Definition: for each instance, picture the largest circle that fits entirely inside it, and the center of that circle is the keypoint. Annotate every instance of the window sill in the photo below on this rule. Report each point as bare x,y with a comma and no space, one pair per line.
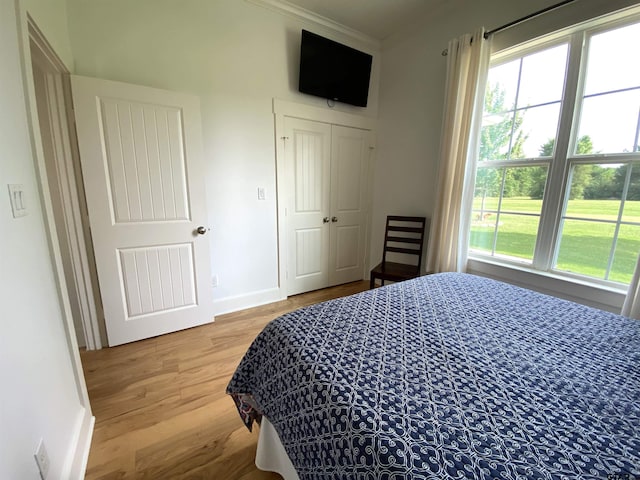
577,290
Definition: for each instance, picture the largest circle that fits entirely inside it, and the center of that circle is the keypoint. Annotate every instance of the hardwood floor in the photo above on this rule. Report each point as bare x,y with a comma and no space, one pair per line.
160,404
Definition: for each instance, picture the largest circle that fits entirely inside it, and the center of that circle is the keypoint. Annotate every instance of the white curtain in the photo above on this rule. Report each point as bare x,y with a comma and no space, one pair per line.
631,307
467,67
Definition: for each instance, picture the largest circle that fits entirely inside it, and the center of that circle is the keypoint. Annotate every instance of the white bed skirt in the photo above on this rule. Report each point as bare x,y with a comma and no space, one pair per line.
271,455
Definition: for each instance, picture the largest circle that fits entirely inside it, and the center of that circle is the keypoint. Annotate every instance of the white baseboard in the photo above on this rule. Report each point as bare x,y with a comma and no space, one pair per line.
78,455
247,300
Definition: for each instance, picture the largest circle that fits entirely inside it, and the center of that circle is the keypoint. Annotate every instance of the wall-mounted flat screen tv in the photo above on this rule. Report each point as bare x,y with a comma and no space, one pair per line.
334,71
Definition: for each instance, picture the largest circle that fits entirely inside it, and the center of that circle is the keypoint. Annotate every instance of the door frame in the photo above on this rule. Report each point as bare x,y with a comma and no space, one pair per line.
282,109
68,200
76,461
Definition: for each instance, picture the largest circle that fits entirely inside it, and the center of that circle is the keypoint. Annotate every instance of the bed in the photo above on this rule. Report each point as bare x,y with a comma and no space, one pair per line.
448,376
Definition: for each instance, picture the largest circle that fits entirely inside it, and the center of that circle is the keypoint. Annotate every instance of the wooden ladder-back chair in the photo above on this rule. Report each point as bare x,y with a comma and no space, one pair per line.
403,235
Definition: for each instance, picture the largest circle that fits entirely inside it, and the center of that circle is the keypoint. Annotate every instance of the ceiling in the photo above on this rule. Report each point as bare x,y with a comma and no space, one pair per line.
375,18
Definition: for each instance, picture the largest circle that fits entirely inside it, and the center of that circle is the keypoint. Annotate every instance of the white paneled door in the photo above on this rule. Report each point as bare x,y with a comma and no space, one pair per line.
141,157
308,160
349,187
326,170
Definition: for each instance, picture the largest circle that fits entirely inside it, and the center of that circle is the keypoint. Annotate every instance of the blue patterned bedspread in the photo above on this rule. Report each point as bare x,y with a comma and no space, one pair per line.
449,376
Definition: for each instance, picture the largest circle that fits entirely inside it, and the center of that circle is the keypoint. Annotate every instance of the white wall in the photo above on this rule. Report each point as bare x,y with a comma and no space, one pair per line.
39,396
236,56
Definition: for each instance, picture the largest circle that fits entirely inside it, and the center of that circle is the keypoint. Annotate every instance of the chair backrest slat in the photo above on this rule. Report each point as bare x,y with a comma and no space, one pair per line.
408,251
403,218
404,240
393,228
395,242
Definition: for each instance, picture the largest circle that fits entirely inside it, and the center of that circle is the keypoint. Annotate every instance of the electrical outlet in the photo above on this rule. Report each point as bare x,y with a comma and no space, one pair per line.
214,281
42,459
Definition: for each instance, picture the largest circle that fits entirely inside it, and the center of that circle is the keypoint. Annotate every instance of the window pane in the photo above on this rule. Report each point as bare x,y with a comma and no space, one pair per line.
482,233
507,202
482,204
521,184
503,81
494,136
523,189
627,249
542,79
536,128
604,182
517,235
585,247
611,121
631,212
485,206
526,132
593,209
595,192
609,66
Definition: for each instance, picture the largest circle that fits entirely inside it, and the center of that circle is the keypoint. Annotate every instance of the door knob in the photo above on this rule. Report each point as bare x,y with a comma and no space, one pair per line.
334,219
202,230
325,220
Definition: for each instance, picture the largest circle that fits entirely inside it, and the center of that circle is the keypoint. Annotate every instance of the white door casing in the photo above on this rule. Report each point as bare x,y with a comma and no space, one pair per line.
327,179
52,90
350,153
308,158
142,165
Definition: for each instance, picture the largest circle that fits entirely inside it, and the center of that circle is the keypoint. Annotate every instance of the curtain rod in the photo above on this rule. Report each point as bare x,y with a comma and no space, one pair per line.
527,17
520,20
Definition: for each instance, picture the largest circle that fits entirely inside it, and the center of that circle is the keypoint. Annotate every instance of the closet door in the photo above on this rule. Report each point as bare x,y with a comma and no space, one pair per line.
308,163
349,173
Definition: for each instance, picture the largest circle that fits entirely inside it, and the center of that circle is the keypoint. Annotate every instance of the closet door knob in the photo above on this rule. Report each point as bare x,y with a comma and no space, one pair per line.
334,219
325,220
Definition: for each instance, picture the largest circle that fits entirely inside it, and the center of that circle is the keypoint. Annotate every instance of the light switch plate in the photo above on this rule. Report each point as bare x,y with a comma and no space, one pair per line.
261,193
18,205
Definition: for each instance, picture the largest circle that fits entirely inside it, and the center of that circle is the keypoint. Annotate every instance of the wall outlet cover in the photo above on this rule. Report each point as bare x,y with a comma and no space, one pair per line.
42,460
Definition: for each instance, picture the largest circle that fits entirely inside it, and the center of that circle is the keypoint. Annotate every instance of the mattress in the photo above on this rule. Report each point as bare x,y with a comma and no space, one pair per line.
448,376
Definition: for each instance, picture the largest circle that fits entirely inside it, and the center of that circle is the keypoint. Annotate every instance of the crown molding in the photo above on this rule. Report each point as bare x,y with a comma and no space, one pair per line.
285,8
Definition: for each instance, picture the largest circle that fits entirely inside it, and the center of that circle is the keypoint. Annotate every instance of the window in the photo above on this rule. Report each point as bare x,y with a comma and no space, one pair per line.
558,176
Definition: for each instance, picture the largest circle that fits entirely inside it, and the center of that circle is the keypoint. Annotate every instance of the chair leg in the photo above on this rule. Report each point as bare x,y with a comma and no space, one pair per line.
372,282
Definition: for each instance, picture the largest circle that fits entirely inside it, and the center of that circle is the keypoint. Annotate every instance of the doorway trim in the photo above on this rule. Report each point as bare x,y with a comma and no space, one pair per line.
63,169
282,109
77,456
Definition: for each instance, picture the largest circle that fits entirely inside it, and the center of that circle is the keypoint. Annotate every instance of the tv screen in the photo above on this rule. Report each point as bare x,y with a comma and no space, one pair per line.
331,70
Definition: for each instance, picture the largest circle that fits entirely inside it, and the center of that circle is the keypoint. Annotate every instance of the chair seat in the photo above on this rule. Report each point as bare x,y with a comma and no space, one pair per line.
393,270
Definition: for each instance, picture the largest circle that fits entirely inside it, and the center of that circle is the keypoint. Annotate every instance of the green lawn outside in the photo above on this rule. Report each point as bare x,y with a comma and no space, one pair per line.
585,246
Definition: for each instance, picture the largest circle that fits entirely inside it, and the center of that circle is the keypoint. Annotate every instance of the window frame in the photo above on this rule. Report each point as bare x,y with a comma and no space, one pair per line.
564,155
